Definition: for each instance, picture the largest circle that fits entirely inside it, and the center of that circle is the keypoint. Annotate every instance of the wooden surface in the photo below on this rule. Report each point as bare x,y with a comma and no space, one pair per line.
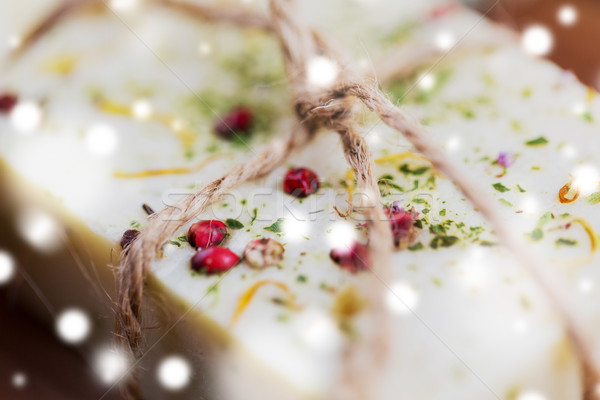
56,371
53,370
574,46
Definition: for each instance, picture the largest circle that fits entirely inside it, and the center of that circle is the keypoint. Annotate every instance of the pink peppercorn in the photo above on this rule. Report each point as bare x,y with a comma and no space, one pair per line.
214,260
207,233
301,182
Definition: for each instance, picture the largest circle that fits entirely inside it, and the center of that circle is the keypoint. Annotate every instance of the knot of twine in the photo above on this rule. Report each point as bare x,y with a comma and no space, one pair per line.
334,108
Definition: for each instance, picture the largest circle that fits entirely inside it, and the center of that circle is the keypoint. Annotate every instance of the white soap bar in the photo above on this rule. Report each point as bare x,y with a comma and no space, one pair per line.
468,322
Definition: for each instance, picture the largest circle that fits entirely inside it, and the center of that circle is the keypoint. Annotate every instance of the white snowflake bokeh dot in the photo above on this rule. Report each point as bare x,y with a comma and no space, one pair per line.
445,40
40,229
426,82
110,365
341,235
321,71
532,396
586,286
586,178
141,109
537,40
14,41
26,117
73,326
7,267
204,48
101,140
174,373
123,5
402,298
19,380
567,15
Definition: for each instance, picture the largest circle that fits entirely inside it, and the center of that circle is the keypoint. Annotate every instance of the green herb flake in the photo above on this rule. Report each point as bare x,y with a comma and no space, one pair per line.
506,202
276,226
536,234
416,247
516,126
175,243
544,219
521,189
234,223
594,198
476,229
254,214
488,80
301,279
587,116
437,229
500,187
213,288
442,212
407,171
443,241
182,238
565,242
537,142
425,211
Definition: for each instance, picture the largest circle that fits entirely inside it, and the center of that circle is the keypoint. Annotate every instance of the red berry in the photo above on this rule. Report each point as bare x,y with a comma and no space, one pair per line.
354,258
214,260
207,233
300,182
237,121
7,102
402,224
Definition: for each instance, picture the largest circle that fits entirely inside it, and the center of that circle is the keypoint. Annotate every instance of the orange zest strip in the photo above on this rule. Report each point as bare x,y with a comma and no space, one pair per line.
590,231
61,64
169,171
399,156
249,294
113,108
350,178
591,94
186,136
568,193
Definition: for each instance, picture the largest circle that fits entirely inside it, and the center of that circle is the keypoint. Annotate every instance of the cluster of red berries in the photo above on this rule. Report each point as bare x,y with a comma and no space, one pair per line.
211,259
355,257
207,235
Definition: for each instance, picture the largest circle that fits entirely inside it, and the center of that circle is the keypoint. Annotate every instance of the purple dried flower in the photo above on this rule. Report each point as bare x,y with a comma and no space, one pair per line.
505,159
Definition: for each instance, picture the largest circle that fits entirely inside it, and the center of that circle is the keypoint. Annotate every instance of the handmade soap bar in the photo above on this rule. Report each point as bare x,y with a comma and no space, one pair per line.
118,112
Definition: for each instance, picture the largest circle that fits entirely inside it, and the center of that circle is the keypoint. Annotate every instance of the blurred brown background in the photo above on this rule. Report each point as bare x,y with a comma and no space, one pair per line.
28,347
574,45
